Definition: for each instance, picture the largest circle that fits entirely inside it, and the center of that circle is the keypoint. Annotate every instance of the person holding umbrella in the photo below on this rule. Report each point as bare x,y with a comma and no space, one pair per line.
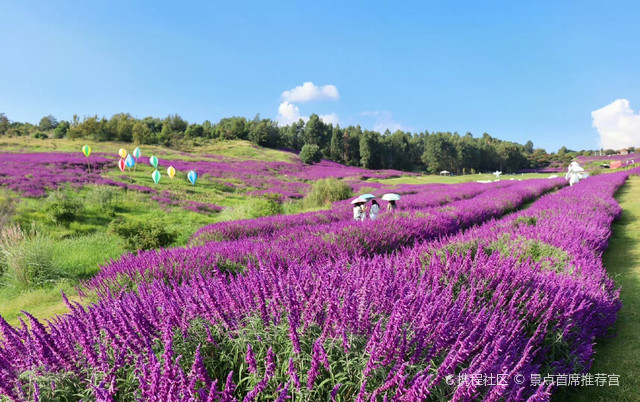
392,198
359,210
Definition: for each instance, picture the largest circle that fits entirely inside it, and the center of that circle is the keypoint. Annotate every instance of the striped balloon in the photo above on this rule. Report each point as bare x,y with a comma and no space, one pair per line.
129,161
122,164
123,153
171,171
192,176
153,161
137,153
86,150
155,176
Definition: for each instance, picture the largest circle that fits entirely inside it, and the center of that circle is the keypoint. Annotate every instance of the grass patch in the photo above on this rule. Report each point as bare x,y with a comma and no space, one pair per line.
88,253
43,303
620,355
436,179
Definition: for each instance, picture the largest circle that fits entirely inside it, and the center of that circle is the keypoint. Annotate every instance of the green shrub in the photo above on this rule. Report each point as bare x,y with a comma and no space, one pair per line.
61,208
26,258
139,235
326,191
549,257
310,153
104,198
267,206
40,134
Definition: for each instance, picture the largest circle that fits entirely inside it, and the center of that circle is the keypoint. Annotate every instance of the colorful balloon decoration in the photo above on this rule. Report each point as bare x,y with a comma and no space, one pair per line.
86,150
155,176
122,164
192,176
153,161
123,153
171,171
129,161
137,153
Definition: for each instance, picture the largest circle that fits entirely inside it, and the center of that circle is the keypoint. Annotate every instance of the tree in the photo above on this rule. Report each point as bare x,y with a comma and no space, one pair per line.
439,153
528,147
265,133
142,134
208,128
232,128
194,131
352,147
336,149
395,151
4,124
314,130
48,123
120,127
61,130
310,153
369,156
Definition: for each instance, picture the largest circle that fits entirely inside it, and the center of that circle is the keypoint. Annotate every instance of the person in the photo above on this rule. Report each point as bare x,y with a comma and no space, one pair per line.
574,173
391,206
359,211
374,210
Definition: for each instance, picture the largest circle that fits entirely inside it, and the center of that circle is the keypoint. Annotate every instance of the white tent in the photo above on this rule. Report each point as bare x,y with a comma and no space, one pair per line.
444,172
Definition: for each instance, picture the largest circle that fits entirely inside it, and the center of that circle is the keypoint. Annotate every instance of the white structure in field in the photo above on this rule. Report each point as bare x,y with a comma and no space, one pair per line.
575,173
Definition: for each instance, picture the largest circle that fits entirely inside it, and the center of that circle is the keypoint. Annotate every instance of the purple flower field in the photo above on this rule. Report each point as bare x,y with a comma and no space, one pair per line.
427,303
35,174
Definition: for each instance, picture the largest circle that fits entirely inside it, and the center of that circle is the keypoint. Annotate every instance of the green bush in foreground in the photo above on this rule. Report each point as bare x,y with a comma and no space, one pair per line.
61,208
26,258
326,191
142,235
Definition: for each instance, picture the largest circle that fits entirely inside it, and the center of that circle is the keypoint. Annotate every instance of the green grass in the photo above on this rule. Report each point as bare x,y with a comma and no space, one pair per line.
428,179
620,355
43,303
238,149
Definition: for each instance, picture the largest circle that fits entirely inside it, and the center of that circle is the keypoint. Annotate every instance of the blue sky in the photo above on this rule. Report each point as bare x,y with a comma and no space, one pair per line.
516,70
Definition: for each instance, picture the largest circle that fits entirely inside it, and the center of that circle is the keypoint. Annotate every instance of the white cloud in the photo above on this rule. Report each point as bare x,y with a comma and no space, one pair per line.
288,113
309,92
617,124
383,120
331,118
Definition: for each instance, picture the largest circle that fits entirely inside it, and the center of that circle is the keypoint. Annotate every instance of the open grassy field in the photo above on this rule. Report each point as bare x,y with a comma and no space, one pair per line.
243,150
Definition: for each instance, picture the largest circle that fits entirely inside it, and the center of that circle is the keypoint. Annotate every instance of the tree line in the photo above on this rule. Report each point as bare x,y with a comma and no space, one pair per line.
313,139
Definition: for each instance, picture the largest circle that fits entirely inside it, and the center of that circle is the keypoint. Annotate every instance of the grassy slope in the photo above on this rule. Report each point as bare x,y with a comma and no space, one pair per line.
85,244
620,355
234,149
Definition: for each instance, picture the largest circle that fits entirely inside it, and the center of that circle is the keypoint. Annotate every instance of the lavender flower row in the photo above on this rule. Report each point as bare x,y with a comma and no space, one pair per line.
319,243
414,197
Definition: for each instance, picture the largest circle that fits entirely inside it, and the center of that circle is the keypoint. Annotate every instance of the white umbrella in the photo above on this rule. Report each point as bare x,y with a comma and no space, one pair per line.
367,196
444,172
391,197
358,200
